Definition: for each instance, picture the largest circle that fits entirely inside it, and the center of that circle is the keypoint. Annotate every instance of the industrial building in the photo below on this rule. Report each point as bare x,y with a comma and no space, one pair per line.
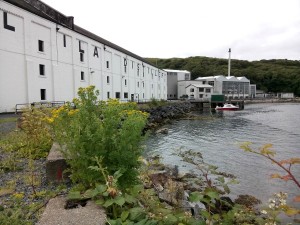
173,77
45,57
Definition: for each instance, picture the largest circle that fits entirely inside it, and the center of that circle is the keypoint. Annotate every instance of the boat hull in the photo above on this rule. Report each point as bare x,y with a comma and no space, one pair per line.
227,109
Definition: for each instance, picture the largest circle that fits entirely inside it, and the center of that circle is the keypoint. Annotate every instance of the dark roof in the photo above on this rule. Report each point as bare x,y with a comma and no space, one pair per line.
43,10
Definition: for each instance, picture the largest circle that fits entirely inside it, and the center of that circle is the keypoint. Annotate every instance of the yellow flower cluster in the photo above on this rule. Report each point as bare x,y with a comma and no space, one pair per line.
18,196
113,101
57,112
135,113
86,90
72,112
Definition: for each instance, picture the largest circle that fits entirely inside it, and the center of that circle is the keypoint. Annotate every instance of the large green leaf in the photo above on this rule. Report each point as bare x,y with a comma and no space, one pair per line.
142,222
170,220
100,202
195,197
136,214
130,198
213,195
108,203
124,215
101,188
205,214
120,200
74,195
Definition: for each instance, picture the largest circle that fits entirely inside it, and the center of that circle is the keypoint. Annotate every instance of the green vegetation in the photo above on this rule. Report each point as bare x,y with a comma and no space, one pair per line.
6,120
111,130
20,150
276,75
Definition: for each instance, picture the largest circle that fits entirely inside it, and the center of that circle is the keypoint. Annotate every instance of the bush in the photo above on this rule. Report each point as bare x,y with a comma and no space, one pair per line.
110,130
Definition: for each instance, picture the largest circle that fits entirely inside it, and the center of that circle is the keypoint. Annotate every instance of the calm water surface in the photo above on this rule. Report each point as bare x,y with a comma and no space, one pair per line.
218,140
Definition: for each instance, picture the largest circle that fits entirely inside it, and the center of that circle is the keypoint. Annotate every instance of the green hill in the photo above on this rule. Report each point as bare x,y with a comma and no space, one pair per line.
275,75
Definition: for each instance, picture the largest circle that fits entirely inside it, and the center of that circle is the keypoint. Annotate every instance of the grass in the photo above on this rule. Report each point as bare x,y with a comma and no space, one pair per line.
7,120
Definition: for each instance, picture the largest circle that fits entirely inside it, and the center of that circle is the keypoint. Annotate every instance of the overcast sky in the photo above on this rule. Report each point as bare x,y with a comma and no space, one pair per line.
253,29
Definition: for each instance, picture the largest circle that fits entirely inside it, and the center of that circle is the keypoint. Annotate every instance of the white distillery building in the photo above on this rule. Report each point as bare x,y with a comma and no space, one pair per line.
200,92
45,57
231,87
173,77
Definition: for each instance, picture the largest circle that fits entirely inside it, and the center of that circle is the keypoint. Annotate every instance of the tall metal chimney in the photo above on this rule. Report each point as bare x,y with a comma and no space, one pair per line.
229,62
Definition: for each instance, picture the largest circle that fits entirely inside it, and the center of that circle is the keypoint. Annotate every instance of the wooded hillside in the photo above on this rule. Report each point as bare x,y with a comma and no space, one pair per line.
276,75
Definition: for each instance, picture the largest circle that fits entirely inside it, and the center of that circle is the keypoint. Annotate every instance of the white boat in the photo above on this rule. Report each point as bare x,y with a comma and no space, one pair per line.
227,106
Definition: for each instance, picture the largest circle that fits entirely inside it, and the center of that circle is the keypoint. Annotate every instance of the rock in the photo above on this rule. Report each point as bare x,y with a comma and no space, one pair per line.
172,193
247,200
160,177
162,131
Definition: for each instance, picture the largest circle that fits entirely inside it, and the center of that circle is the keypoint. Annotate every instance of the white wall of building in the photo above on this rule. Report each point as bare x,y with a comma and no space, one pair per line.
173,76
63,70
200,92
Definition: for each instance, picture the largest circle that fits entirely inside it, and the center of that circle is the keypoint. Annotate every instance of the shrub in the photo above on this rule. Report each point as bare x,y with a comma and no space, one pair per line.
110,130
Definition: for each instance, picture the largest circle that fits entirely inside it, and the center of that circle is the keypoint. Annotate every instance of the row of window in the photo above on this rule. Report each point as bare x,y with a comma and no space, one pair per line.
207,90
200,96
117,95
82,76
212,83
41,48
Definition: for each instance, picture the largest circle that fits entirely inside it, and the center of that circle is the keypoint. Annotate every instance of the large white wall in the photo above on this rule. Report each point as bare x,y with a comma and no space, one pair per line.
20,60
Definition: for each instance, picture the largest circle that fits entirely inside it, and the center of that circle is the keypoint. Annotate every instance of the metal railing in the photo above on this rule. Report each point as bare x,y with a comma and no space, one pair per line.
54,104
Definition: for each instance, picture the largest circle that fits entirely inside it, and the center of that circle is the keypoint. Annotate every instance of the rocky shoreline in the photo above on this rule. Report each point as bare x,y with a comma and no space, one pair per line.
164,114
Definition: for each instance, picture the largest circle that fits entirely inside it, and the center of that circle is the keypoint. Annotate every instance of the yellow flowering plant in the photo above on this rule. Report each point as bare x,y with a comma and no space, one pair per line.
87,128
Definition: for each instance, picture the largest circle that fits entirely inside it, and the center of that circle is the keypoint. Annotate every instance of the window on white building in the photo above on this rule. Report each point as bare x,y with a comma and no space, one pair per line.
65,41
107,64
108,95
207,90
118,95
42,69
81,57
125,94
41,46
107,79
82,76
201,89
138,84
43,94
187,76
201,96
125,82
192,90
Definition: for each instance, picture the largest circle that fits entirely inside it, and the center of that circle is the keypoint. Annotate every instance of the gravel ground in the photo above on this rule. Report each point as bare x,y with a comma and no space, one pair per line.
7,127
18,181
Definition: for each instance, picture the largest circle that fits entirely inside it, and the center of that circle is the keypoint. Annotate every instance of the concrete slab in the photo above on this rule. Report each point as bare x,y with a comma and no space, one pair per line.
56,214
